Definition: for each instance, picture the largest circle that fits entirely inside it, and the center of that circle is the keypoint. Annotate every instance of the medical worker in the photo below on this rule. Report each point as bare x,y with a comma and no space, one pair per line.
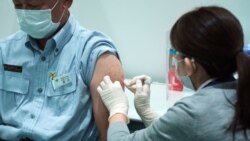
208,43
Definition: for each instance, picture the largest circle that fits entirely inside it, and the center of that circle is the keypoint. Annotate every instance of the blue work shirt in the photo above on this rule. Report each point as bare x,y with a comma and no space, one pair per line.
44,94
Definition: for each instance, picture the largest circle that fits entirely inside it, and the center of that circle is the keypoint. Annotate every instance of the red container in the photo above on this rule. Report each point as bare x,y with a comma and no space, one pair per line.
174,83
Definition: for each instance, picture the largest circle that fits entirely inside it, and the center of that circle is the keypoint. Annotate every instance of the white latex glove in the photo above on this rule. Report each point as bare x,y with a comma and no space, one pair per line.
140,86
131,83
113,97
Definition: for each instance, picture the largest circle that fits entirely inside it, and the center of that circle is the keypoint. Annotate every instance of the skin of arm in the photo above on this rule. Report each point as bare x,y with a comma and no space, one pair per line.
107,64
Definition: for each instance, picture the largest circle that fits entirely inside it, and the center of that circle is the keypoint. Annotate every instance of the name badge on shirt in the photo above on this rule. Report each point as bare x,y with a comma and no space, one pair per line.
12,68
60,81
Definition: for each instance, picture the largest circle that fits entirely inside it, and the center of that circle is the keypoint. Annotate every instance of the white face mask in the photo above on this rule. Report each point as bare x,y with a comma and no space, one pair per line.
185,80
37,23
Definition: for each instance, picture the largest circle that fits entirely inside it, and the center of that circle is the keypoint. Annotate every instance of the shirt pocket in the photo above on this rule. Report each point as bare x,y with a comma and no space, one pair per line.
60,100
13,90
65,89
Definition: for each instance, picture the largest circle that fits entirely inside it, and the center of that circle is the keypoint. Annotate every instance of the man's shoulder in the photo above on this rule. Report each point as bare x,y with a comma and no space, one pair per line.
13,38
92,34
82,32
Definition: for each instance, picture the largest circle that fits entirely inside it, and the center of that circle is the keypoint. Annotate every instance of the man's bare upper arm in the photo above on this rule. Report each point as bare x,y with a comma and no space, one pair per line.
107,64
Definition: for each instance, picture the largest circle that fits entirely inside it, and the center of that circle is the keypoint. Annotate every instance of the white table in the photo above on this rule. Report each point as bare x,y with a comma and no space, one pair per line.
160,98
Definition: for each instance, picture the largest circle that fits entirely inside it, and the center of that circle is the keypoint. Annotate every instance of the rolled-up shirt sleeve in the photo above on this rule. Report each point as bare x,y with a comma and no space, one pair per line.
96,45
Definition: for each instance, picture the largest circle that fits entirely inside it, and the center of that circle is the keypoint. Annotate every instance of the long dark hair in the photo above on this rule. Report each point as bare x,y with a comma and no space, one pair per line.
214,37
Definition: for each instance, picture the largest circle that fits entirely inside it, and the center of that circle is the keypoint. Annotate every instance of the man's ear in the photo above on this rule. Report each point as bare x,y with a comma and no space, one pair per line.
190,66
67,3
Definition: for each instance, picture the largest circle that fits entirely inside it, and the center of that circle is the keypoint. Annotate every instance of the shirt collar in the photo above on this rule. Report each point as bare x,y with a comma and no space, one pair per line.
31,43
65,34
60,39
214,81
204,84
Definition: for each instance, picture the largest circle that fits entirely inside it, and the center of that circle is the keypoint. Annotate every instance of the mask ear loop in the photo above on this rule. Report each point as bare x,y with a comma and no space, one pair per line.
54,5
193,63
189,62
62,13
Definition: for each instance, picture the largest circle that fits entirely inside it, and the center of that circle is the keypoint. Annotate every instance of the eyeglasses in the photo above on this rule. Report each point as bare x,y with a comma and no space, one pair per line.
173,53
175,62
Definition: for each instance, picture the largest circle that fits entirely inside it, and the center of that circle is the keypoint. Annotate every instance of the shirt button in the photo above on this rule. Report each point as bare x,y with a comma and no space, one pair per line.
25,139
43,58
32,116
40,90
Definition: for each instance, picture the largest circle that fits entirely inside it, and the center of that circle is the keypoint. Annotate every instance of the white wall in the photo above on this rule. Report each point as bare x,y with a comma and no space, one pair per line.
139,28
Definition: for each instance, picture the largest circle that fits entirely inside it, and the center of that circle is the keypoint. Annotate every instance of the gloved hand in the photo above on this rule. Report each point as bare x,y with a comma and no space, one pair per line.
140,86
113,97
131,84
